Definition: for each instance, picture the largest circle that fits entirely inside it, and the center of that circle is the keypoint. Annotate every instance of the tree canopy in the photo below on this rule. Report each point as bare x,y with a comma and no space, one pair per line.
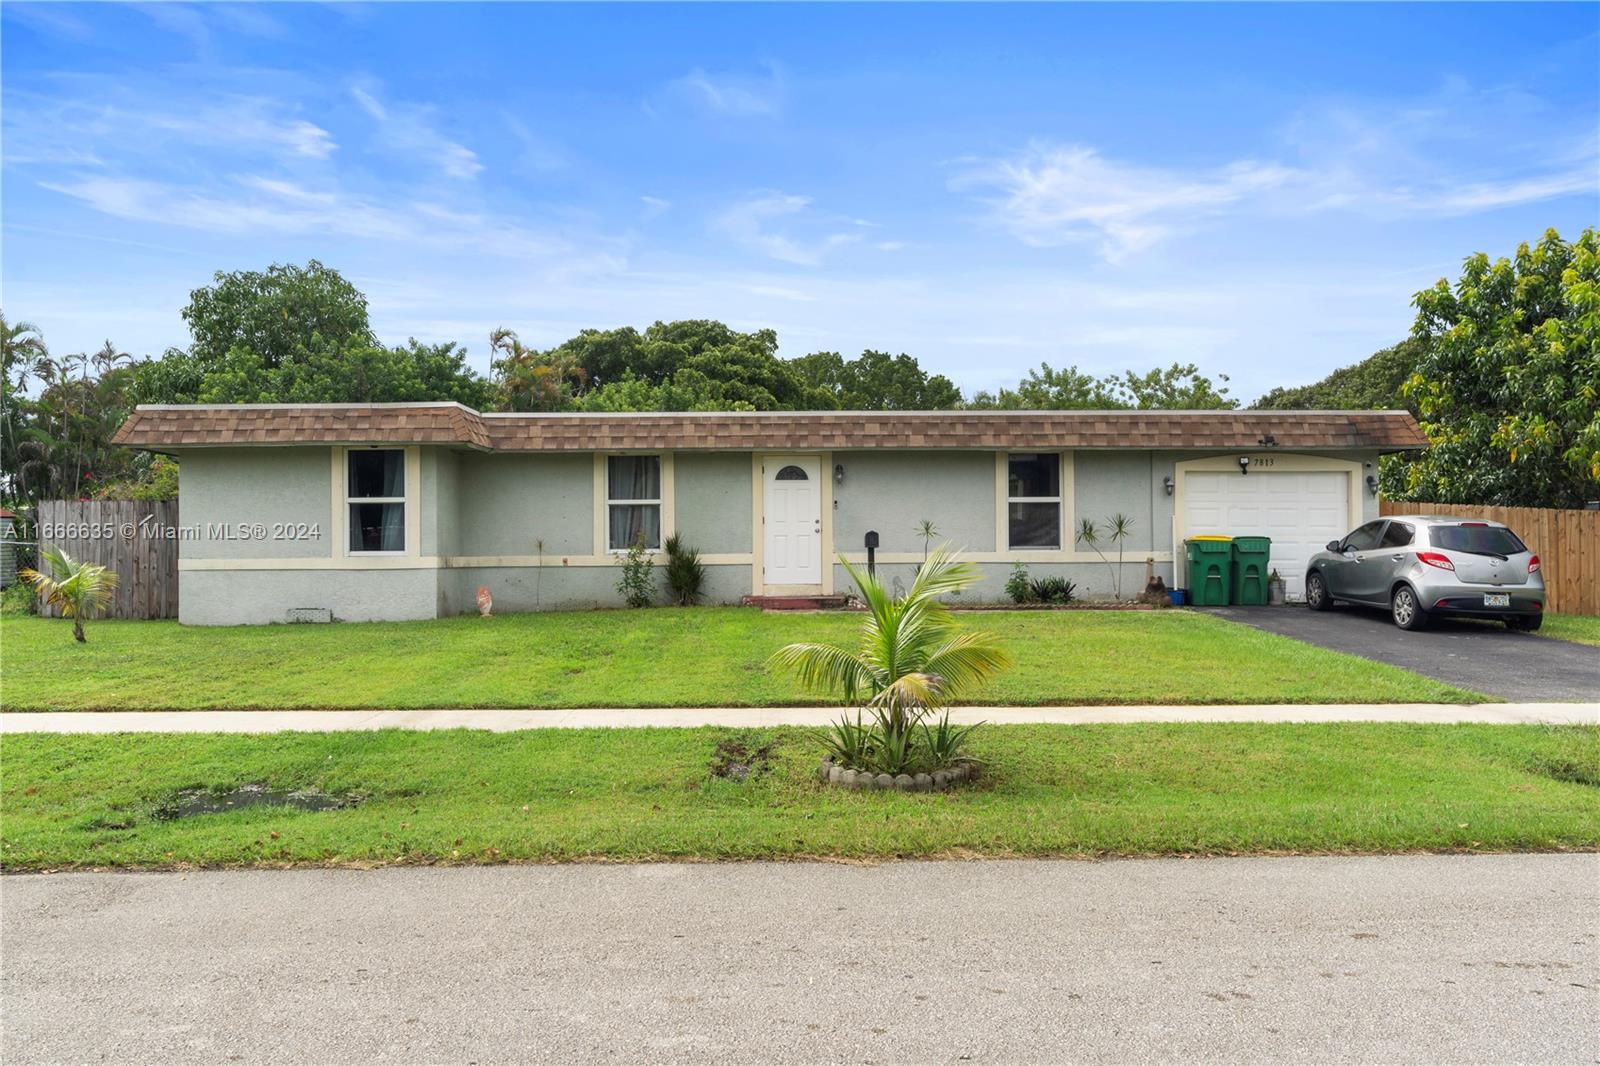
296,334
1375,383
1179,387
1508,386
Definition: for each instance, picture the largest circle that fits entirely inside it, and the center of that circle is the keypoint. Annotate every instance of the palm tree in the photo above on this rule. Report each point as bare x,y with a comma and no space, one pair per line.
912,659
22,350
81,590
531,380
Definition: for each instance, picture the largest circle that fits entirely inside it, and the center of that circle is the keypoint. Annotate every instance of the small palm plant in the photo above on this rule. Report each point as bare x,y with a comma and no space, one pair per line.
928,532
912,661
81,590
1116,530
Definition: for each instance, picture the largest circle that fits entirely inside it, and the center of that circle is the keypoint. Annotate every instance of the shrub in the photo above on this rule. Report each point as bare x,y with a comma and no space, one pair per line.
686,574
1018,587
637,585
1056,590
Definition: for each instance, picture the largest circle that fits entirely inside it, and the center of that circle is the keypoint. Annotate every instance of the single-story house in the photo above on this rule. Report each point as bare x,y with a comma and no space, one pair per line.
401,511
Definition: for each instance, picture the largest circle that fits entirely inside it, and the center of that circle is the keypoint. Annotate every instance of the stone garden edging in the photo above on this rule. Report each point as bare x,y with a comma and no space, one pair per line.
830,773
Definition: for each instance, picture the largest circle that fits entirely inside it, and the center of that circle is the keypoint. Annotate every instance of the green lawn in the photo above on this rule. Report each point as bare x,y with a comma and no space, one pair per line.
706,656
631,794
1582,629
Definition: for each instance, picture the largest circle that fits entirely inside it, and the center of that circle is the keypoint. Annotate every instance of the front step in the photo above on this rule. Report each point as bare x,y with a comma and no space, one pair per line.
796,603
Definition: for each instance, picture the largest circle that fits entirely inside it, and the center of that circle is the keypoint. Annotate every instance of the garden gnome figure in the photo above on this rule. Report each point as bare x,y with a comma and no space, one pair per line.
485,601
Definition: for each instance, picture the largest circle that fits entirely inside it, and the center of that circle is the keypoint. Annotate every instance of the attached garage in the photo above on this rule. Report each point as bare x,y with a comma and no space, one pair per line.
1300,501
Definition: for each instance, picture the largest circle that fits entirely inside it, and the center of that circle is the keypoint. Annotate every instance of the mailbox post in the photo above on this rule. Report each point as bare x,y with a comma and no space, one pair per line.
872,551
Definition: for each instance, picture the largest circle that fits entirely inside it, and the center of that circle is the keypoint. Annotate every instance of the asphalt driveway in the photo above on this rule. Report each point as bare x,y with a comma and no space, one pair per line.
1480,656
1413,958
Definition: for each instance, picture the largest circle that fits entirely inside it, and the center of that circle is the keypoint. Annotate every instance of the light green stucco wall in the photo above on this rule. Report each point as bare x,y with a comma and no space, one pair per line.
507,503
893,491
474,504
557,587
257,597
266,486
712,498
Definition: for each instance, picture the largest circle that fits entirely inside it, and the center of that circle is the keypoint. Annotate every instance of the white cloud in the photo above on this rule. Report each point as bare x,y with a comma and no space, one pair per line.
407,130
1057,194
753,223
654,206
732,94
83,130
263,206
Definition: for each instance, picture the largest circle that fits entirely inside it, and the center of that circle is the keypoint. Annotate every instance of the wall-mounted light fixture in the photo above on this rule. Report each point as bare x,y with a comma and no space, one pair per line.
1372,484
838,474
1244,464
1167,481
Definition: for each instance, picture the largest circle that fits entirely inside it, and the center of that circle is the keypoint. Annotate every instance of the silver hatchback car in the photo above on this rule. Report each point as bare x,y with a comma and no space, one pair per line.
1420,566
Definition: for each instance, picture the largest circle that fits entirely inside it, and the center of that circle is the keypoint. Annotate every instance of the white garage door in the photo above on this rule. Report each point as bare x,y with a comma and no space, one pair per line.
1300,512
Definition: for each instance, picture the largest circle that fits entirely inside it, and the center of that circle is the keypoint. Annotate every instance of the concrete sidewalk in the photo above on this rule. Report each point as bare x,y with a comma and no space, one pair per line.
591,717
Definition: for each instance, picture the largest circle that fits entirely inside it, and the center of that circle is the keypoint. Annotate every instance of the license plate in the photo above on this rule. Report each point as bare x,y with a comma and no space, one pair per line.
1497,599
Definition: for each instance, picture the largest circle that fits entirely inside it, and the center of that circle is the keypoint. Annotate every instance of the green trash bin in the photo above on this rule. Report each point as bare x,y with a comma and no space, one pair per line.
1249,582
1210,570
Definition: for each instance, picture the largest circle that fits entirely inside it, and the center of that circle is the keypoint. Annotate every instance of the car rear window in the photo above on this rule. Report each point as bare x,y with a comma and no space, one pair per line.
1483,540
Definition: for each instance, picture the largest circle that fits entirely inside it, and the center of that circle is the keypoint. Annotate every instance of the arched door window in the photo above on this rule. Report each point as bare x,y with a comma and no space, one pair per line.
792,473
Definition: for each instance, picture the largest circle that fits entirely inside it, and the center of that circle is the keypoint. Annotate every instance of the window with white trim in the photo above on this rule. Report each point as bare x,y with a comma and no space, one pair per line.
375,500
633,501
1033,500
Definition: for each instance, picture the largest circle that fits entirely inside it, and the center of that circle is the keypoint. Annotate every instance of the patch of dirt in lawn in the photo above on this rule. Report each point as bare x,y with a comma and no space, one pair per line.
196,801
741,757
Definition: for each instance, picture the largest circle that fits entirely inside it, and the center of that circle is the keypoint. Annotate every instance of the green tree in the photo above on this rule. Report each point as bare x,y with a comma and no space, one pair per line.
296,334
531,380
22,354
1175,388
1049,389
874,381
1178,387
1509,385
1377,383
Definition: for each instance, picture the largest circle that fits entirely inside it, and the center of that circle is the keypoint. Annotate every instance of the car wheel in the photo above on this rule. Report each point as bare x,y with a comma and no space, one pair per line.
1406,611
1524,623
1317,597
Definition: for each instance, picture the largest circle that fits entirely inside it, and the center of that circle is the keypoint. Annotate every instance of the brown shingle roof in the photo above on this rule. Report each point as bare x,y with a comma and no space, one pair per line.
199,426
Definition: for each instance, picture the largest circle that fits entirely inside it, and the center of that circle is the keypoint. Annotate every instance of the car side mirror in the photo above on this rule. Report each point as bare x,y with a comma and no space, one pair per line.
1335,547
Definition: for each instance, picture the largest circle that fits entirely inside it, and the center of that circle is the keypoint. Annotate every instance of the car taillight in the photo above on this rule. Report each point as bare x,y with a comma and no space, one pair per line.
1533,565
1435,559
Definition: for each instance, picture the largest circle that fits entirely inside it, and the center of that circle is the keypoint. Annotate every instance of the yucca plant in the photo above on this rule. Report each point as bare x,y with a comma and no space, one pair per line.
1118,528
913,659
945,739
81,590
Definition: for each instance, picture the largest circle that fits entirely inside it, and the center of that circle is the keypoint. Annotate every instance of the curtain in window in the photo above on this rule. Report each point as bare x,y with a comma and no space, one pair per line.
633,477
377,473
378,527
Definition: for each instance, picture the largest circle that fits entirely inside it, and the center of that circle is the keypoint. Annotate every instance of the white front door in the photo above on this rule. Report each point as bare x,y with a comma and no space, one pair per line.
792,552
1300,512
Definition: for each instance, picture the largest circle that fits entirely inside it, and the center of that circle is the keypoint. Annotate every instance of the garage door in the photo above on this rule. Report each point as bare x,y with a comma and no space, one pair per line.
1301,512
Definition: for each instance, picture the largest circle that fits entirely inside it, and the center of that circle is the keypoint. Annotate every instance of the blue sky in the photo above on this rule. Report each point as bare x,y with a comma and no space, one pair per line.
1257,189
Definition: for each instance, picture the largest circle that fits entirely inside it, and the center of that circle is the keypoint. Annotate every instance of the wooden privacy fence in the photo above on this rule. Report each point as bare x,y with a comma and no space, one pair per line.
1566,542
137,539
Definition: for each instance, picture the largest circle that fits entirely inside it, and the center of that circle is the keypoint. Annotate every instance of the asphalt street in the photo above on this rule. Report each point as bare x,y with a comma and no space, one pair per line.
1389,959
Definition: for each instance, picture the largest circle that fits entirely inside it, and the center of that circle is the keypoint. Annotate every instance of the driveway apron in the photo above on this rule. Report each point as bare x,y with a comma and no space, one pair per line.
1484,657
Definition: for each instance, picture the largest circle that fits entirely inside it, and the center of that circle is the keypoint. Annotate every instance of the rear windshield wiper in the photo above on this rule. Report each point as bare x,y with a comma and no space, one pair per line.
1492,555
